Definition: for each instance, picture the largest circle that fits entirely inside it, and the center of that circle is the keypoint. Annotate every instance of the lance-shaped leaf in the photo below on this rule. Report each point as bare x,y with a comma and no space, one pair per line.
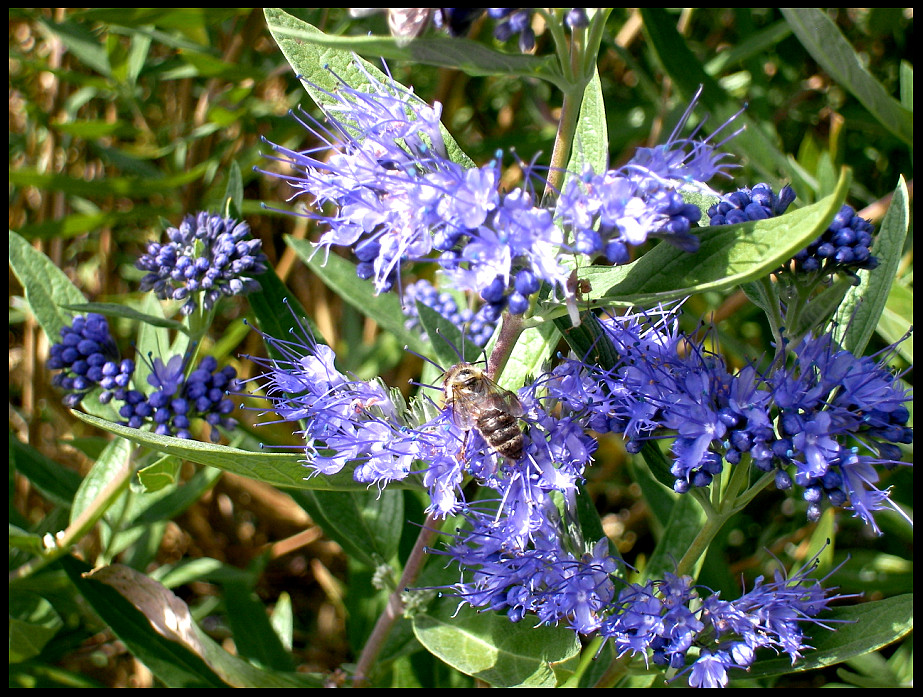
858,316
158,628
827,45
322,64
856,630
728,256
279,469
48,289
445,52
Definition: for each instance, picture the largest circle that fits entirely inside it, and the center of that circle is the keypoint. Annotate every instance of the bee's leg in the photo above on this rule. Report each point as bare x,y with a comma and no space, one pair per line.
462,454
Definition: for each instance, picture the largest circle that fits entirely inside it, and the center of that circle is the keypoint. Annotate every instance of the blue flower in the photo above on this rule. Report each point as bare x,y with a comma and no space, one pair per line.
514,21
823,422
88,358
343,420
710,670
177,399
844,247
206,254
477,327
397,198
662,620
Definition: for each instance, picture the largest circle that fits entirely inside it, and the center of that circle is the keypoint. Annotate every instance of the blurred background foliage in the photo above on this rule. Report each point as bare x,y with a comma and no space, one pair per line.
122,120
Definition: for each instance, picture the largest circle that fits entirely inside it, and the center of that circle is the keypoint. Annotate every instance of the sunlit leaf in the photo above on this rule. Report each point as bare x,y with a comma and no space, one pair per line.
489,647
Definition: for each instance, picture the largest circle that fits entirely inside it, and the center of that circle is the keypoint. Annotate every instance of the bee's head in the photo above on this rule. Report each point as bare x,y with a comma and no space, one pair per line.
461,372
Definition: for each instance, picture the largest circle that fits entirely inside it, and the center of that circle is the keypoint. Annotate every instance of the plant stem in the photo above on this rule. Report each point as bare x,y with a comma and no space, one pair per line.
564,140
510,330
730,503
82,525
774,315
395,607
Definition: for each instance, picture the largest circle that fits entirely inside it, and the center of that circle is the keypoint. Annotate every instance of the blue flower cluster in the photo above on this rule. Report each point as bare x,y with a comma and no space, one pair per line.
822,422
845,246
397,197
206,254
350,421
88,358
747,204
663,620
514,21
477,327
516,553
178,398
666,622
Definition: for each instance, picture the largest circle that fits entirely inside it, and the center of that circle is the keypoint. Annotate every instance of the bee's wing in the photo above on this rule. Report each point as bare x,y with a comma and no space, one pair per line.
505,399
463,412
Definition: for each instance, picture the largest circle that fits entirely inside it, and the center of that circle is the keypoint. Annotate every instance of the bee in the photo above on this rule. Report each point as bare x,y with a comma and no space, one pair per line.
478,403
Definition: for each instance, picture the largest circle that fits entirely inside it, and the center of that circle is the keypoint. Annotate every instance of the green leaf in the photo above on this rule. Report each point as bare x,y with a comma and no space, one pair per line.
172,663
158,629
532,349
367,524
897,319
47,288
728,256
254,638
319,62
588,341
340,276
200,569
658,497
821,308
283,620
489,647
82,43
23,540
857,630
686,521
234,194
110,466
464,54
827,45
33,623
858,316
278,469
657,463
154,507
591,525
55,481
591,139
163,473
276,310
116,310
